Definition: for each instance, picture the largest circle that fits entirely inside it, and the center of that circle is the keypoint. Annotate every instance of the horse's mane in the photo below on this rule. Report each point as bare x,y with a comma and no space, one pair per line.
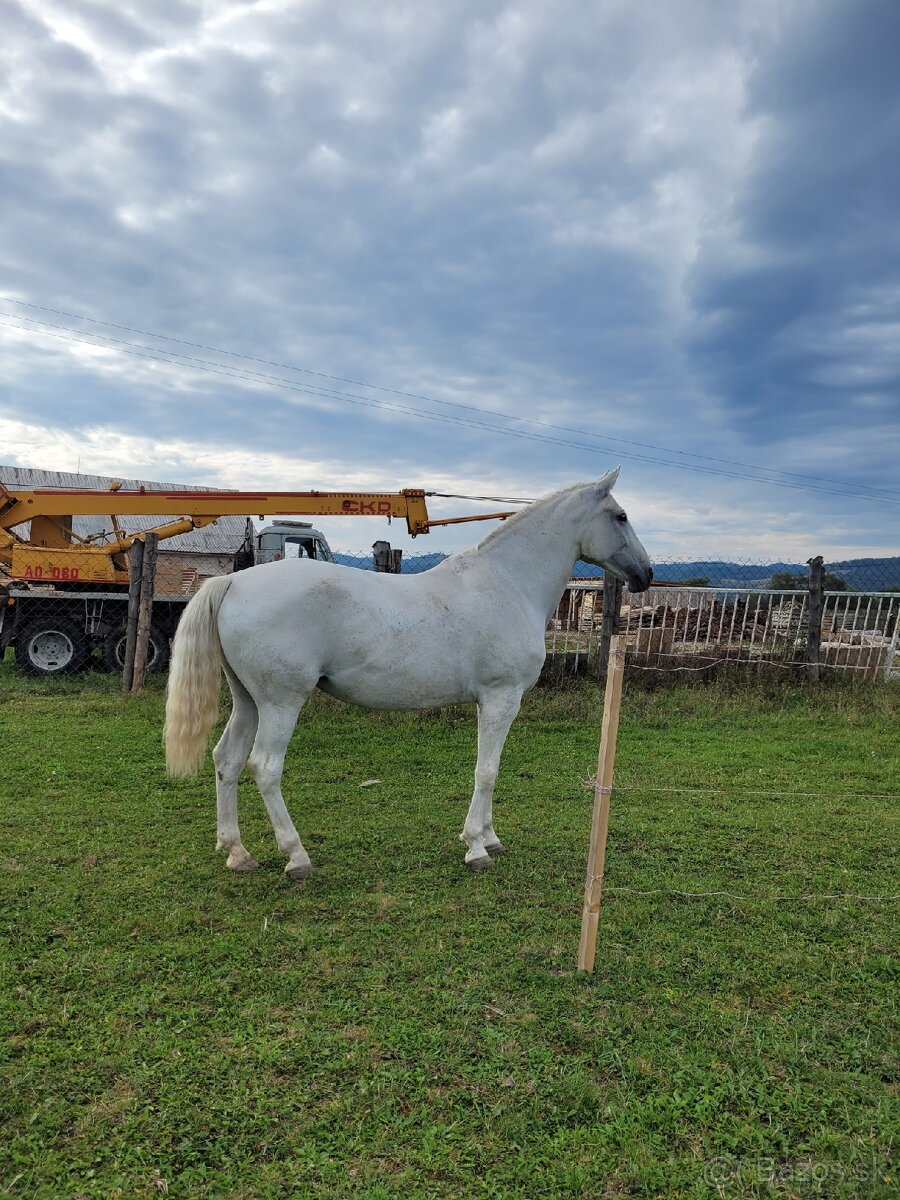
504,527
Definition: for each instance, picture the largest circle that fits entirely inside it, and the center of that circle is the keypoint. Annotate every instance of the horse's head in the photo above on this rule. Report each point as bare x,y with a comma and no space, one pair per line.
609,540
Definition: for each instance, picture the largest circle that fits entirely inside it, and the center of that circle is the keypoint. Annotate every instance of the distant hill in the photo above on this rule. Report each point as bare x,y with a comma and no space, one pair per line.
860,574
868,574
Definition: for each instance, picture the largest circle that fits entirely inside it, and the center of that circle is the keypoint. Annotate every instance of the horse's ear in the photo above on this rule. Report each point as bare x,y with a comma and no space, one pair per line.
607,483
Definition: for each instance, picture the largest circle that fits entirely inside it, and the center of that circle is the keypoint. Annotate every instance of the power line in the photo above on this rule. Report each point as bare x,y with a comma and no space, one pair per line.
486,499
240,373
243,374
434,400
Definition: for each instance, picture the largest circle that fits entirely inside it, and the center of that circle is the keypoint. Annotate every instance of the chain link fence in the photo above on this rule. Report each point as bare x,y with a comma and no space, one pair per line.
854,575
687,628
63,613
702,615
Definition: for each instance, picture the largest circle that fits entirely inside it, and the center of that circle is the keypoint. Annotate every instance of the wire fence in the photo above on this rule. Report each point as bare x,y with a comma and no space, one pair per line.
853,575
680,628
63,612
605,782
781,795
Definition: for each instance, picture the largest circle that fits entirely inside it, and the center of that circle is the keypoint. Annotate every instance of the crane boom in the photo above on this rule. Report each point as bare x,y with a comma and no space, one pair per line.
51,512
59,503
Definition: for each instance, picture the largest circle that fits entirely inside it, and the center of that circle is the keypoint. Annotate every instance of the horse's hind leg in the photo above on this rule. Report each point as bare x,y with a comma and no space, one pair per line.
496,712
276,724
229,757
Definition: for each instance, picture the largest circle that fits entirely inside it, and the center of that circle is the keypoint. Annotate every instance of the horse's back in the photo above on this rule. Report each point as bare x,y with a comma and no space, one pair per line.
310,590
386,641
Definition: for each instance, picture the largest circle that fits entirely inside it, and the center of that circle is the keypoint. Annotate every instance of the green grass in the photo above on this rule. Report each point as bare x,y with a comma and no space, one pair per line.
398,1028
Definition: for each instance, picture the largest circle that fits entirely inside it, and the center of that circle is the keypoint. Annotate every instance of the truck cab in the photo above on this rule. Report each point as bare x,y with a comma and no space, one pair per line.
291,539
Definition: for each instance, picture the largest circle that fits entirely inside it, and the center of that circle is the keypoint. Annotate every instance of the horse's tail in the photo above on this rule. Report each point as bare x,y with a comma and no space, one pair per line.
192,700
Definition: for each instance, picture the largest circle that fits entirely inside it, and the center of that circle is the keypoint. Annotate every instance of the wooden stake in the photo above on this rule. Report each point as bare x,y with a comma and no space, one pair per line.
612,603
135,567
815,603
145,611
593,887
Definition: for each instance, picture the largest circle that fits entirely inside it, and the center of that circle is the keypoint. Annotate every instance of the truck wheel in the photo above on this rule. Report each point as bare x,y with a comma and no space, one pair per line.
51,646
113,650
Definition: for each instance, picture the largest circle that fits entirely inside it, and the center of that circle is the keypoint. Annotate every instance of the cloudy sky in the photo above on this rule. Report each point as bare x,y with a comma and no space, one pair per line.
485,248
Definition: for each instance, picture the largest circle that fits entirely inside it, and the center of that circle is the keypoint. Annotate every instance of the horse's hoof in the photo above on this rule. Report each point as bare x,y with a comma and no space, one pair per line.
495,848
245,863
480,864
304,871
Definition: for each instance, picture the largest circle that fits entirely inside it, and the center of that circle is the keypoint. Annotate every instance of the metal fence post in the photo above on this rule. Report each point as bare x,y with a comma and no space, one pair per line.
814,630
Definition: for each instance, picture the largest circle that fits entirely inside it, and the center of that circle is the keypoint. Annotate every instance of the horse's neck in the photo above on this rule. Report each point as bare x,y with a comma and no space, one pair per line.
538,551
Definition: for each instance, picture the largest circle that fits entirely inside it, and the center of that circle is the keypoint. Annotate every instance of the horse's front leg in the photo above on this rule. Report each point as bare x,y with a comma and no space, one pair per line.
496,712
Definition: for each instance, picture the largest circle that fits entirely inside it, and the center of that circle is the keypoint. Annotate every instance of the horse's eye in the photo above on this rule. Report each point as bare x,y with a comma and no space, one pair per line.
623,517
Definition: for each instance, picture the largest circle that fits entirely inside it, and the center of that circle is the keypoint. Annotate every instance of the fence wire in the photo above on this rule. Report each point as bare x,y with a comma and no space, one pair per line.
596,886
62,612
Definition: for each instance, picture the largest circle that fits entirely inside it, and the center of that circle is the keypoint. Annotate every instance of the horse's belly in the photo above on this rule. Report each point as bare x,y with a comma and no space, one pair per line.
396,688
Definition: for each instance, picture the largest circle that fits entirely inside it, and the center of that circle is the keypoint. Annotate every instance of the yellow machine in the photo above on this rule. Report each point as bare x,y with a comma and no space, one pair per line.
95,560
63,596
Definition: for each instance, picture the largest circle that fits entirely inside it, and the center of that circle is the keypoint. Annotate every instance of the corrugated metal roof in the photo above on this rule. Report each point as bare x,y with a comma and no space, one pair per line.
224,537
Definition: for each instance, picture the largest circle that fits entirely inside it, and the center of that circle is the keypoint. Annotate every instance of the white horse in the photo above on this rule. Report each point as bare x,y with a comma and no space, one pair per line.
471,630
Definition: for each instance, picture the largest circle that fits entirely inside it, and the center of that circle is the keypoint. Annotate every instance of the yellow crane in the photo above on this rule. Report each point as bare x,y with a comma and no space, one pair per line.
64,593
93,559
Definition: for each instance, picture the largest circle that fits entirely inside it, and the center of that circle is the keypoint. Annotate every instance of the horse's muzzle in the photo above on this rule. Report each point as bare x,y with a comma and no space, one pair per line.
639,581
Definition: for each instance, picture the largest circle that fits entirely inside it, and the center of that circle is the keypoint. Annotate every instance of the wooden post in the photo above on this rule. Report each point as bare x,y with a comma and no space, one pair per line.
145,611
386,559
593,887
814,630
135,567
612,603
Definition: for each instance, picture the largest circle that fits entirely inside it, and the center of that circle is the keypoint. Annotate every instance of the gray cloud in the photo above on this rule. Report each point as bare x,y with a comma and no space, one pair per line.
797,293
670,225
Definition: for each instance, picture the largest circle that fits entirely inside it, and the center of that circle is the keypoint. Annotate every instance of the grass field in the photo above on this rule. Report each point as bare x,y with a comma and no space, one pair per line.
398,1028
